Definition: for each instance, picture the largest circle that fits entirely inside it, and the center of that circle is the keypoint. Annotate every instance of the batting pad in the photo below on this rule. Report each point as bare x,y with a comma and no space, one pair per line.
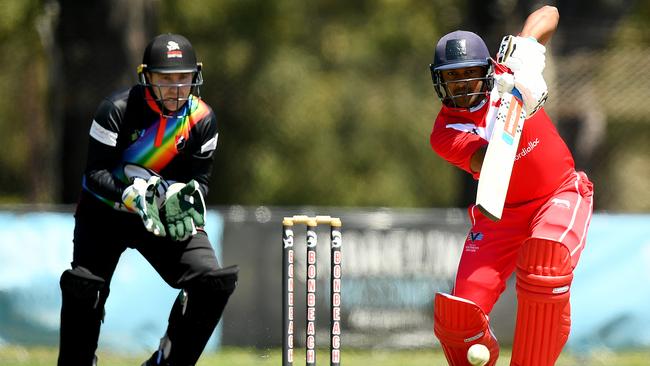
459,324
544,275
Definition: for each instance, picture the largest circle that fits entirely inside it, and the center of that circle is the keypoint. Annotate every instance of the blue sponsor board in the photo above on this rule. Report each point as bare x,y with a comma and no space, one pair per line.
390,273
610,292
37,247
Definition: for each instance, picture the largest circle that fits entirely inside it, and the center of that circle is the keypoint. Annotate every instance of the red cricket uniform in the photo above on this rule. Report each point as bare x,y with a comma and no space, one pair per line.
546,199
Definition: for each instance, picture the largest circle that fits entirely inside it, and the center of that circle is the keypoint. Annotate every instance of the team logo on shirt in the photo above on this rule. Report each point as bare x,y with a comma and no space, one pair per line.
180,142
473,236
470,243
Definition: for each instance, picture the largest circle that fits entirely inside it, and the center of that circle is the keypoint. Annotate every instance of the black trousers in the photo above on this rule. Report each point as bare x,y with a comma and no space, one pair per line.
101,235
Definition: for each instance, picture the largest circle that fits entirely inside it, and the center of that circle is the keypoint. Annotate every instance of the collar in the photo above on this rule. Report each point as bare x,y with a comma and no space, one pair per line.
470,110
151,102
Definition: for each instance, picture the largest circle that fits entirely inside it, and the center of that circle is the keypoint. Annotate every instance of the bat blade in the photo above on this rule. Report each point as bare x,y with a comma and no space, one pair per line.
500,156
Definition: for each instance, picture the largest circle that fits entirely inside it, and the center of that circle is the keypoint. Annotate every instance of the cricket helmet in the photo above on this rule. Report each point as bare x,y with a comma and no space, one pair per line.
167,54
460,49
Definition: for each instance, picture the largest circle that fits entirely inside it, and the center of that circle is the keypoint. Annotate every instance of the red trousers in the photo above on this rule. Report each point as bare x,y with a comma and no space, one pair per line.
491,248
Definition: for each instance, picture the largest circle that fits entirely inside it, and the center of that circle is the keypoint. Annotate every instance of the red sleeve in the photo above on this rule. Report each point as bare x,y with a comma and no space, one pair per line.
455,144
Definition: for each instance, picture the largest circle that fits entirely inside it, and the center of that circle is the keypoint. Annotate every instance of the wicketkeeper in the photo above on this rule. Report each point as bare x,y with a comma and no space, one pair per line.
548,205
148,166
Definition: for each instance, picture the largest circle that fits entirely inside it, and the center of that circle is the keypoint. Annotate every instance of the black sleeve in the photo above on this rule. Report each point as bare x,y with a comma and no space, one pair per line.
203,155
105,151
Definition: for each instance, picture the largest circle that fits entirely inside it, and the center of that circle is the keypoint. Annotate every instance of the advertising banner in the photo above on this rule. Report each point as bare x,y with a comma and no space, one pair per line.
393,262
36,247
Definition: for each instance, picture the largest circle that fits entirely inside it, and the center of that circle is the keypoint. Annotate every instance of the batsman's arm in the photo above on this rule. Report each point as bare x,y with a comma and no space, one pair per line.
476,161
541,24
455,144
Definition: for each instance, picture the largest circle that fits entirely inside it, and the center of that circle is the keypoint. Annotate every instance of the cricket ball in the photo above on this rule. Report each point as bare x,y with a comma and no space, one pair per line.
478,355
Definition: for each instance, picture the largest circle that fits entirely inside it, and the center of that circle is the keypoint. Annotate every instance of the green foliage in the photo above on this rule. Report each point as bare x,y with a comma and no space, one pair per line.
627,150
326,103
22,79
15,15
319,102
640,20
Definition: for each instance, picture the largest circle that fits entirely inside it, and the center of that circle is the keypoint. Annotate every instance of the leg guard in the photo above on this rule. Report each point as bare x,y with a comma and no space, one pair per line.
459,324
82,310
544,275
194,316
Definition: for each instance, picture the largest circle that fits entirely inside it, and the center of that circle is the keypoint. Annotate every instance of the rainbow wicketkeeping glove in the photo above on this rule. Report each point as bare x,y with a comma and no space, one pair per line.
140,197
184,210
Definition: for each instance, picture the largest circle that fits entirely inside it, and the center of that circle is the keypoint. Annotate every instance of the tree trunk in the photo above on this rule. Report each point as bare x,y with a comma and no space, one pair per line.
101,44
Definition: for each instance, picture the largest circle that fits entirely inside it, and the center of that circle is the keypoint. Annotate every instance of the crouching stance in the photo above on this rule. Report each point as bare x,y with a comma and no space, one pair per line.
148,167
547,211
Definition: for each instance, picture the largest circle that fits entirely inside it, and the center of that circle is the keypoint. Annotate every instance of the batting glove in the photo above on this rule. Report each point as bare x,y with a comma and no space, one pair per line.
524,56
141,197
522,53
533,89
504,82
184,210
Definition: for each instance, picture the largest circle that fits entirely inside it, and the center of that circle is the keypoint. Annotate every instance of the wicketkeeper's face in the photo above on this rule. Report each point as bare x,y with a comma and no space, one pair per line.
171,89
465,85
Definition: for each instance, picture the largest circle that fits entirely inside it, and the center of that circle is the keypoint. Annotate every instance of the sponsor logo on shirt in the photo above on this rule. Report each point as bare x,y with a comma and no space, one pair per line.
136,135
527,149
103,135
466,127
472,238
211,144
561,202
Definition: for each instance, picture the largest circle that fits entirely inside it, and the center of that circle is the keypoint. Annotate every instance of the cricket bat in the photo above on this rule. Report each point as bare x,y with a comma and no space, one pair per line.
500,156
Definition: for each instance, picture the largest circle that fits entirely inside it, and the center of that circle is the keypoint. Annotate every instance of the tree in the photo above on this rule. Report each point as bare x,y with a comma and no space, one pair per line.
101,45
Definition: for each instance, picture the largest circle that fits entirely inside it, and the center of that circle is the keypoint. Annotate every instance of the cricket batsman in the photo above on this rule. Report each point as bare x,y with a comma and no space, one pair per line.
148,167
547,209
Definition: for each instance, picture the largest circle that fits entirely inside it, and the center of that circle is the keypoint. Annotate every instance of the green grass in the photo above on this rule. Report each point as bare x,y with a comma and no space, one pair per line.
20,356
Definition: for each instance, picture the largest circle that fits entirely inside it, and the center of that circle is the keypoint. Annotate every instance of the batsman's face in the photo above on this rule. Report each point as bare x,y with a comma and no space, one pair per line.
465,85
172,89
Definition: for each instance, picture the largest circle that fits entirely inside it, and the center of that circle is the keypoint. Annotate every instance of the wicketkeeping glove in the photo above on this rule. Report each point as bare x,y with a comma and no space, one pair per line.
140,197
184,210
